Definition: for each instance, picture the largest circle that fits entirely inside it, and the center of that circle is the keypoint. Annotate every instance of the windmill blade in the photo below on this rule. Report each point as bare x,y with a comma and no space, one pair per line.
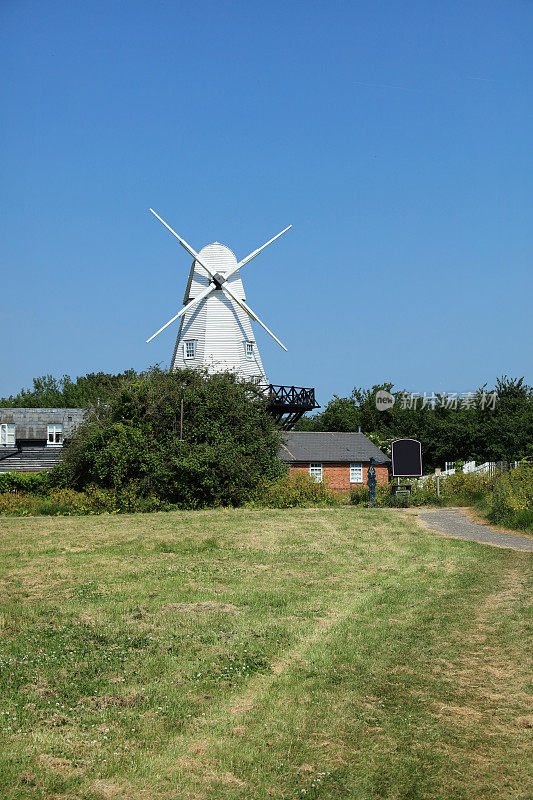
256,252
193,302
183,243
251,313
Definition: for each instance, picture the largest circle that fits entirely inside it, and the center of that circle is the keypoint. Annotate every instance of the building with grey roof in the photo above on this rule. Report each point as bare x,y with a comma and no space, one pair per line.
31,438
341,459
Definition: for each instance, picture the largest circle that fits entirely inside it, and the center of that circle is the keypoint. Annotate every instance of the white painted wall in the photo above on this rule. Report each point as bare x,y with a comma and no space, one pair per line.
219,326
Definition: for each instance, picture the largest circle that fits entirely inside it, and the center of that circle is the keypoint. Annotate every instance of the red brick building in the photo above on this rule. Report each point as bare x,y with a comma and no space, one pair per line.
341,459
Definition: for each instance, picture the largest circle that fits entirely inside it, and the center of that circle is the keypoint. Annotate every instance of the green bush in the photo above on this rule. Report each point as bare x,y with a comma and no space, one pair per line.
460,489
359,495
35,483
131,446
523,521
68,502
511,502
402,500
294,490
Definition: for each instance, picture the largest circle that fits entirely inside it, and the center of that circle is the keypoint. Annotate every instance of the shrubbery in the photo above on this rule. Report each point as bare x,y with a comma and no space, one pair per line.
69,502
34,483
230,443
359,495
459,489
286,492
128,454
294,490
511,502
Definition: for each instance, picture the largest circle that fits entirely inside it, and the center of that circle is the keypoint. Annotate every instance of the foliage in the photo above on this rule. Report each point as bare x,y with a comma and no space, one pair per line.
459,489
359,495
37,483
64,392
395,500
294,490
511,502
230,443
468,432
68,502
385,496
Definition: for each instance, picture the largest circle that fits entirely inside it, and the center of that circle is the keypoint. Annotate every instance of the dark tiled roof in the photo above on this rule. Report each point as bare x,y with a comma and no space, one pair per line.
31,423
29,459
329,446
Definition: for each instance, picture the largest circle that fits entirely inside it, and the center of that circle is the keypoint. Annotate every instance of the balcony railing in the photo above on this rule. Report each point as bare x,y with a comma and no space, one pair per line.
293,396
288,403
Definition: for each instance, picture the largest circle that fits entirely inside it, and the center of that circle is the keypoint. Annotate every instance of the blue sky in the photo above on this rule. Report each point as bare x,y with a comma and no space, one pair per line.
396,137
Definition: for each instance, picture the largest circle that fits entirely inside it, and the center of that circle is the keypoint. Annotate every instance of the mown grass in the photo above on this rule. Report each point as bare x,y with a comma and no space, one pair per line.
254,654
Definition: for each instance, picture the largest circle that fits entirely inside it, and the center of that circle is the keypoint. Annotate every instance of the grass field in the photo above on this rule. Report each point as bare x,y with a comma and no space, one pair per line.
252,654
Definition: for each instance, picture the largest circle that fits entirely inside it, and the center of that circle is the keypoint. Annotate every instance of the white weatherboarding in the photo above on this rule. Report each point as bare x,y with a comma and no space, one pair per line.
215,330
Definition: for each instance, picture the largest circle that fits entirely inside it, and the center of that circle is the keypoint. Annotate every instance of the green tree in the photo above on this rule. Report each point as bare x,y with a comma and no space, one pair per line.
64,392
230,442
468,431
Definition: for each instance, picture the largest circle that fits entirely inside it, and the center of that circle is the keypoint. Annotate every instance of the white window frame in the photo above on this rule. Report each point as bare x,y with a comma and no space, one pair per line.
316,471
55,430
192,344
249,350
356,472
7,434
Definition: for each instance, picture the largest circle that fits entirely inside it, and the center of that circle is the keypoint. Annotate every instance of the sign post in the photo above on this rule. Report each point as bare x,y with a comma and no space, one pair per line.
437,473
406,461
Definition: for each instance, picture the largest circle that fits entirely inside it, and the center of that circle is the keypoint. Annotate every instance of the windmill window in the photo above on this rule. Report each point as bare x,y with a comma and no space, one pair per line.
189,348
356,473
249,350
315,471
7,435
55,434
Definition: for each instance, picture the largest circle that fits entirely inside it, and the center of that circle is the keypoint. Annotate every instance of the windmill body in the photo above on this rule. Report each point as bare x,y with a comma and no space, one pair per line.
216,327
215,330
216,333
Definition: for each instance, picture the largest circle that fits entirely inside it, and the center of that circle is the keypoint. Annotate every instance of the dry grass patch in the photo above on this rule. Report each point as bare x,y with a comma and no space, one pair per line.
238,654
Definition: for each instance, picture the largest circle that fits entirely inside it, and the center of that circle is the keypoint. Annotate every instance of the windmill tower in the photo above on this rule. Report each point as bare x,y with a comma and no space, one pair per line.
215,331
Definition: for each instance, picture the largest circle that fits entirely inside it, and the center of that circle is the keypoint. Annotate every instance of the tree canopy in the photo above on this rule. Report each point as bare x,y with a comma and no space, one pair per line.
230,443
472,428
65,392
448,431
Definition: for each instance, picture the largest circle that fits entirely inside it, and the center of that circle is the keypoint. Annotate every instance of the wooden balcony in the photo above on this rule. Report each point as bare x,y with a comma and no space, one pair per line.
288,403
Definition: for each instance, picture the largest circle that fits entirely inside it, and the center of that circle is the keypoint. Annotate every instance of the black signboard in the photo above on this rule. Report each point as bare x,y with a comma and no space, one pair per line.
406,458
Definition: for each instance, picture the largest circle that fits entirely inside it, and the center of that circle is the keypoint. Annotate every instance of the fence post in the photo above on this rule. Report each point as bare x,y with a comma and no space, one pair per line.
437,473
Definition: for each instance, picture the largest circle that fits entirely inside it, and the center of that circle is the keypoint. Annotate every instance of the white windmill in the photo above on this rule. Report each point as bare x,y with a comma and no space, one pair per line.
215,330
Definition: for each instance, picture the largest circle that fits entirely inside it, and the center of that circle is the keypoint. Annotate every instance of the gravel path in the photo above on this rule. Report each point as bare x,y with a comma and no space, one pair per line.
456,523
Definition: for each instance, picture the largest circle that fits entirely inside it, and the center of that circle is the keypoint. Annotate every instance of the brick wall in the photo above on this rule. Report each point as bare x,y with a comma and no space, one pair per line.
337,475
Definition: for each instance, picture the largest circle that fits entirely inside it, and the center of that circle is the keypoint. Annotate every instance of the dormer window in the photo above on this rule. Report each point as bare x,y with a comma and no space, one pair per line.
249,350
7,435
189,348
55,435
